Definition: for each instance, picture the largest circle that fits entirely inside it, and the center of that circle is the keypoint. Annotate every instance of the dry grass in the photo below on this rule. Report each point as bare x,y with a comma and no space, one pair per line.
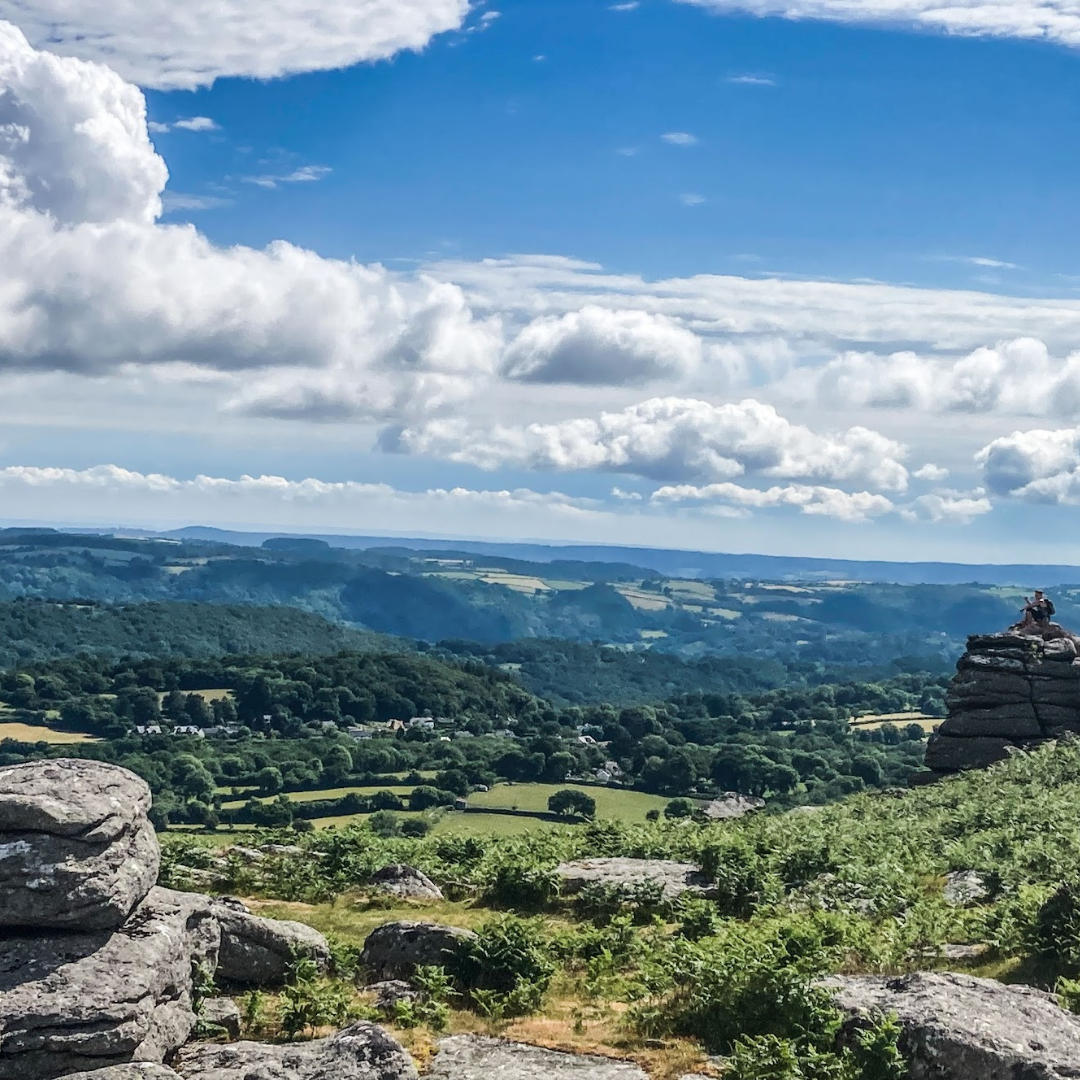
29,733
901,719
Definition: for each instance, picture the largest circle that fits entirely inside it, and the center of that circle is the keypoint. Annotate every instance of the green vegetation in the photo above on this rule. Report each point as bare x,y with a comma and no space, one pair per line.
857,886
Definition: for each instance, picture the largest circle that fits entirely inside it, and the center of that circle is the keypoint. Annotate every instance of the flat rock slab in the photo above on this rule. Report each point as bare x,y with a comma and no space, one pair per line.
258,952
71,1002
473,1057
957,1027
396,949
361,1052
675,877
77,851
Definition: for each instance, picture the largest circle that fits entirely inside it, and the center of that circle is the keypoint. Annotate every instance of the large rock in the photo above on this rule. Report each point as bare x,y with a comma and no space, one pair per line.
77,850
957,1027
361,1052
258,952
1010,690
71,1001
222,1013
732,805
675,878
948,754
406,882
473,1057
396,949
127,1072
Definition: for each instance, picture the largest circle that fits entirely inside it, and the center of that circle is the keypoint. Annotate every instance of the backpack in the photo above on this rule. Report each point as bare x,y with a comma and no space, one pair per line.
1050,610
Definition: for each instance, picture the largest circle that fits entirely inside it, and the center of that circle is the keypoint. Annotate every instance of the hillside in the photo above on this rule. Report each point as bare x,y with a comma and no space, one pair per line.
495,600
979,874
32,631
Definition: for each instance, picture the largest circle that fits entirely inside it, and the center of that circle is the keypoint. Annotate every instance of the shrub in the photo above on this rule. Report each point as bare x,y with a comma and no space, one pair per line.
524,888
511,960
679,808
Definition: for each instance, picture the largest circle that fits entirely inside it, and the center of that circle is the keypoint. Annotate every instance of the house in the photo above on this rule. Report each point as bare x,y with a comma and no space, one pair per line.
221,730
395,725
424,723
587,740
148,729
504,733
189,729
361,734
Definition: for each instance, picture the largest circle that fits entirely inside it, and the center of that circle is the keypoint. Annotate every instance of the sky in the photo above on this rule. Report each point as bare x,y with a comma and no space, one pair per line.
785,276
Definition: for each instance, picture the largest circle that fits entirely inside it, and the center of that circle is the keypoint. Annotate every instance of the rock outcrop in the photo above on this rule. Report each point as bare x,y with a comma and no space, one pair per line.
474,1057
221,1013
1010,691
77,850
134,1071
675,878
70,1002
259,952
405,882
396,949
361,1052
733,805
957,1027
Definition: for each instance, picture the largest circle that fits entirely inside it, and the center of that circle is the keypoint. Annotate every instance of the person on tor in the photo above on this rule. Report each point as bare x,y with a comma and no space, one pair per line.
1038,611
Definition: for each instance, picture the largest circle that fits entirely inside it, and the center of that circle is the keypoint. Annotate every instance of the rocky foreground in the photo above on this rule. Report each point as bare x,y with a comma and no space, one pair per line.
1011,691
100,969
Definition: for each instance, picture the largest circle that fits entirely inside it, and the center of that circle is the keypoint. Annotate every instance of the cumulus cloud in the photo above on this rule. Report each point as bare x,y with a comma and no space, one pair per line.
932,473
168,45
596,346
1041,466
670,439
93,282
305,174
850,506
1019,377
953,507
1049,20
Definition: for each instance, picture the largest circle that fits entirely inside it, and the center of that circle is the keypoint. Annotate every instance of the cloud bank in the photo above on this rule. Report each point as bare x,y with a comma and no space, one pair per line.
170,46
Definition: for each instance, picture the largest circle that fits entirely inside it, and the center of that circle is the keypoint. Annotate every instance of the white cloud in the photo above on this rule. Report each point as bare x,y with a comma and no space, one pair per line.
306,174
1018,377
690,198
751,80
950,507
169,45
857,506
1049,20
630,5
1039,466
111,493
980,261
197,123
934,474
93,283
595,346
680,138
671,439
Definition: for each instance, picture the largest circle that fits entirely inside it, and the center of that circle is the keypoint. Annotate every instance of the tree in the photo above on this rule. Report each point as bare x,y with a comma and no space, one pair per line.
571,803
679,808
269,780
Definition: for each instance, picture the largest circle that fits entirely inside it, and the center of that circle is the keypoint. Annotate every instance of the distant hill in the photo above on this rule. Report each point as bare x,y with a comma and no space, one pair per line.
687,564
33,631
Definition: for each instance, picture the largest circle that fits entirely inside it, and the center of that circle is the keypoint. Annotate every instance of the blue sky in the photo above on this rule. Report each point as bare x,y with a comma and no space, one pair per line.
858,153
680,273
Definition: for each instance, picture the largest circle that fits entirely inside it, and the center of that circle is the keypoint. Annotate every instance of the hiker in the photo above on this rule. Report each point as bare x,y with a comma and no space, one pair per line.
1039,611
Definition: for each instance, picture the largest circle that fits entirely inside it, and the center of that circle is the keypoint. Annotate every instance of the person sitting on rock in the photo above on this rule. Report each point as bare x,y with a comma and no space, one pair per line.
1037,612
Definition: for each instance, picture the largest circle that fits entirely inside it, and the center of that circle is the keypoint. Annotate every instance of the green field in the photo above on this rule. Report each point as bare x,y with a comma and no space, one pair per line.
611,803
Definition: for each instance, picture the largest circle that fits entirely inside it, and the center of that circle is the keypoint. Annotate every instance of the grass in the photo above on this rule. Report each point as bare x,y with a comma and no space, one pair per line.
611,803
871,723
325,793
31,733
217,694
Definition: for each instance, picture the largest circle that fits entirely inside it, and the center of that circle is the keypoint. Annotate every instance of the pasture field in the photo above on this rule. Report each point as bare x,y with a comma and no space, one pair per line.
901,719
216,694
611,803
32,733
